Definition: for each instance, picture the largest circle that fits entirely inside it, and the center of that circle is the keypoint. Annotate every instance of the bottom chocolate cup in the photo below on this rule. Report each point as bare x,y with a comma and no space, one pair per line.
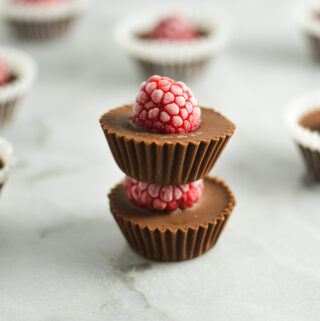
312,161
185,71
178,235
41,30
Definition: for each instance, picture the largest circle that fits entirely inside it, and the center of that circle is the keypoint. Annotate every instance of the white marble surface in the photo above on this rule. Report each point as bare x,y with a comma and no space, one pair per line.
62,256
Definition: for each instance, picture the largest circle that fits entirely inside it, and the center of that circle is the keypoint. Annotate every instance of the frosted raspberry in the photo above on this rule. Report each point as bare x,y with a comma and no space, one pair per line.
163,197
164,105
4,73
174,28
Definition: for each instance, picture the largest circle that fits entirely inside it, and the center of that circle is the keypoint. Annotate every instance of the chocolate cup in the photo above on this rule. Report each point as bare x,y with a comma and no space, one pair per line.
40,30
181,71
179,235
312,161
7,110
1,187
314,43
166,159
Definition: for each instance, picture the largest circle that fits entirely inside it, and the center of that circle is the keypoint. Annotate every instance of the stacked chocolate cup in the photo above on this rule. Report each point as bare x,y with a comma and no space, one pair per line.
162,159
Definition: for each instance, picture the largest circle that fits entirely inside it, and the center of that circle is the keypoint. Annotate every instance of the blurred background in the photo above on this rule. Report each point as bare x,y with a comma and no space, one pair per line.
62,255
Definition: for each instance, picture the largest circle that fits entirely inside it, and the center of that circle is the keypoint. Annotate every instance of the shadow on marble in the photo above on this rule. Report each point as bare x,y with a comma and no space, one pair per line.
274,52
88,246
308,182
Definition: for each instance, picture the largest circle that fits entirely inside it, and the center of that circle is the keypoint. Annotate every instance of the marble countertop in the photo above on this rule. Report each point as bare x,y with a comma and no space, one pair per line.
62,256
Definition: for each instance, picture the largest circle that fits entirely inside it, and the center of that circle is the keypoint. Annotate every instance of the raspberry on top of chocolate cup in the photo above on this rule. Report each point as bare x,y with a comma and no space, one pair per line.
164,105
176,42
161,150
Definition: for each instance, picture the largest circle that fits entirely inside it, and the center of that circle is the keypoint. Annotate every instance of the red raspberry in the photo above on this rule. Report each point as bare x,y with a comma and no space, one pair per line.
163,197
174,28
4,73
164,105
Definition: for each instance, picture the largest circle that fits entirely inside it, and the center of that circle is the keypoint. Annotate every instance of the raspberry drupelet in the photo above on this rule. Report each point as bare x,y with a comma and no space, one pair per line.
163,197
174,28
166,106
4,73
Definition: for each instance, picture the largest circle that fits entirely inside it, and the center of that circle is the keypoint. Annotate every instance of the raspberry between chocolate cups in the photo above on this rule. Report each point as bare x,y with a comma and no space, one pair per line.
17,74
304,122
175,221
165,159
42,19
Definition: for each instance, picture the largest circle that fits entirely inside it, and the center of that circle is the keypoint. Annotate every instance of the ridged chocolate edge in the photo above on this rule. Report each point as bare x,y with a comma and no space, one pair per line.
165,163
312,161
173,245
40,30
6,112
182,71
315,46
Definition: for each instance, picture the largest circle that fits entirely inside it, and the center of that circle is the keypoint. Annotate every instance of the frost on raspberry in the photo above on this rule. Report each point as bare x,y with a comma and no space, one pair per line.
4,73
163,197
166,106
174,28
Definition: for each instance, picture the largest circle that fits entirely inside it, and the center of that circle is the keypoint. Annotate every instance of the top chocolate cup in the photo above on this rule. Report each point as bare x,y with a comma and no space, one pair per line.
166,159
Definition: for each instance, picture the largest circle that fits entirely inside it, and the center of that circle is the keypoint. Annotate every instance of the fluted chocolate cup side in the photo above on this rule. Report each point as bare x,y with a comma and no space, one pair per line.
41,30
7,110
167,159
312,161
174,244
183,71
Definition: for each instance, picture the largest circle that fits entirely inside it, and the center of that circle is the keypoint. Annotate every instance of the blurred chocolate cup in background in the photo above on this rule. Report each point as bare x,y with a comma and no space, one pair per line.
304,123
42,20
22,71
177,59
6,160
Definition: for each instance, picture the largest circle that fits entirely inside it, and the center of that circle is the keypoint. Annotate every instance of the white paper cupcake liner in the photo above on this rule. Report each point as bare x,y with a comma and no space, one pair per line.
6,155
39,12
24,69
304,136
174,52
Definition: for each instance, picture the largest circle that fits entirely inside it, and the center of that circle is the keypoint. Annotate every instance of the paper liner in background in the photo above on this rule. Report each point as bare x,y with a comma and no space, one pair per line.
175,59
42,21
178,243
309,23
23,70
165,163
6,156
307,140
